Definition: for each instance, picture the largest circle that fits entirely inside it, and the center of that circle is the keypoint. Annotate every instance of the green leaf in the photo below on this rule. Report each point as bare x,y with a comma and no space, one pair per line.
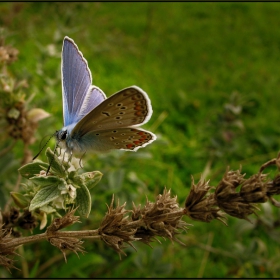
48,209
44,181
20,200
83,200
91,178
56,165
31,169
34,270
44,196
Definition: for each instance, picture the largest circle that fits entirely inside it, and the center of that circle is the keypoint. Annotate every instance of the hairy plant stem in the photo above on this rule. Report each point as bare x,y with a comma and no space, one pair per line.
86,234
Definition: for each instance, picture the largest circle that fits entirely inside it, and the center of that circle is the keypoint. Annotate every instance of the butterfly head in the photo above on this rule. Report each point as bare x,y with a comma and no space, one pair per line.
61,136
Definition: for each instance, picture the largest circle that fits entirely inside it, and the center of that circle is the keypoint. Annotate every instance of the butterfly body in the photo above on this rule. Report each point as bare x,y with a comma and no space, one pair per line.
93,122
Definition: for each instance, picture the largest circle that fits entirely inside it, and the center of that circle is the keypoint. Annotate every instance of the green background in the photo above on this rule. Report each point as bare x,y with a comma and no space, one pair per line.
211,71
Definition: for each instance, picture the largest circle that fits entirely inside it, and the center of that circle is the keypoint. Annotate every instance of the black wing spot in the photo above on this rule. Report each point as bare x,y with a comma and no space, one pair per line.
106,113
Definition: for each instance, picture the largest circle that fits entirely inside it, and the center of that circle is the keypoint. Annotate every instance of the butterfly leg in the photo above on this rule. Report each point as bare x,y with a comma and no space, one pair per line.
70,158
80,162
63,156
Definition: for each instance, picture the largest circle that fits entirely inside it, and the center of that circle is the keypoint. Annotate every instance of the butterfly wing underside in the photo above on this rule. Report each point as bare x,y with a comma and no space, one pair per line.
79,96
113,123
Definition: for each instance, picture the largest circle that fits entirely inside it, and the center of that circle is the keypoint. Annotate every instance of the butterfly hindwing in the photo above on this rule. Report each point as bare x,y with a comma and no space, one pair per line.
128,138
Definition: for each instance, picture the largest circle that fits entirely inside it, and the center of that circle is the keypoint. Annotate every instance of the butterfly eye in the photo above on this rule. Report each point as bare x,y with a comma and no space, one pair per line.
63,135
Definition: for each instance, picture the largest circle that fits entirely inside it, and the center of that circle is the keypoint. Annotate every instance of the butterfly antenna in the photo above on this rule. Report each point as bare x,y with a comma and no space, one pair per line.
44,146
52,157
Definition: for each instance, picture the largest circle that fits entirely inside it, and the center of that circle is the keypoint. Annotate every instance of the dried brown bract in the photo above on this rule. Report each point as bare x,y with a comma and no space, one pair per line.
67,220
13,218
163,218
202,206
254,189
113,229
67,243
27,221
5,253
273,187
231,201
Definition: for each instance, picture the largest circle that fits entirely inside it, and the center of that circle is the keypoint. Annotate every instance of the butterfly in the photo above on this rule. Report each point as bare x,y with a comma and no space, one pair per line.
93,122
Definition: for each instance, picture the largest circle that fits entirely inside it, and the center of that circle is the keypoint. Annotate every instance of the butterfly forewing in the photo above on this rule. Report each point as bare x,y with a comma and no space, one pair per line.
128,107
76,81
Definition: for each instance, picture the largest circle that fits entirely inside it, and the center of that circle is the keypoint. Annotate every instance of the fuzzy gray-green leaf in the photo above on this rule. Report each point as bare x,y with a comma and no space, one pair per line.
56,165
83,200
47,180
44,196
91,178
31,169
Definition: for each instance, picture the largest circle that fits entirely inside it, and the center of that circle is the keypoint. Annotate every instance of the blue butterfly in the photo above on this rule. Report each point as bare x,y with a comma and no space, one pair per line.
93,122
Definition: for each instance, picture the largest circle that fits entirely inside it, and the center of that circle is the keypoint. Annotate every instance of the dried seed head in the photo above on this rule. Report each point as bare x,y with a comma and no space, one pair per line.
273,188
162,218
254,189
136,212
67,243
197,193
231,201
27,221
200,205
226,189
113,230
67,220
7,262
10,217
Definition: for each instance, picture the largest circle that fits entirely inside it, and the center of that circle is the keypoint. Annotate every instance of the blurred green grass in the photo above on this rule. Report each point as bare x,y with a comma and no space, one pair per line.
190,58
